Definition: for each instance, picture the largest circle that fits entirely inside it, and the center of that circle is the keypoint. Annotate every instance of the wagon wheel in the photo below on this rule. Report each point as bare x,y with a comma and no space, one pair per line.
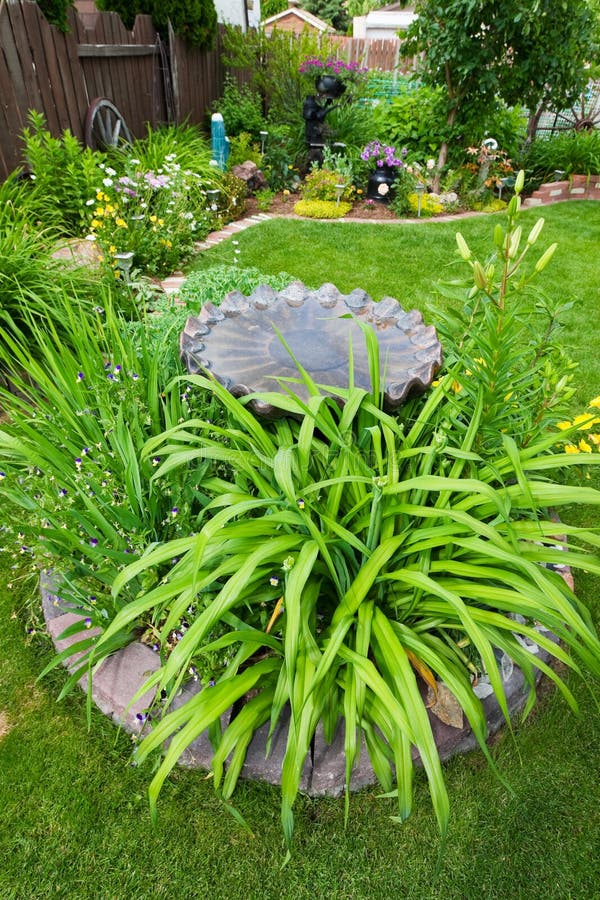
584,116
105,126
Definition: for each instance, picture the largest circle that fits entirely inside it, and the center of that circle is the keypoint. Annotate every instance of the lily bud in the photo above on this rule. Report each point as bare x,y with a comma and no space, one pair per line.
545,258
463,247
535,232
499,236
514,242
479,276
520,181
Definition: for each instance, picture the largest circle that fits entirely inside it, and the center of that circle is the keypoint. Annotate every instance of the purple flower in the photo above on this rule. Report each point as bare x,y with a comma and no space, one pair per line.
87,622
93,542
80,376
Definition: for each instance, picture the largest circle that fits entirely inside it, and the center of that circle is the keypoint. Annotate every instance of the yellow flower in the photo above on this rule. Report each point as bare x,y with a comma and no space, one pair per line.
571,448
595,402
583,421
120,223
108,209
99,211
96,223
112,249
154,218
595,439
584,446
161,221
456,386
563,425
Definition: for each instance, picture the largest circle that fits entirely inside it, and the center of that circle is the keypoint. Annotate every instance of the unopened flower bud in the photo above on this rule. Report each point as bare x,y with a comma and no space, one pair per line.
514,242
535,232
479,276
545,258
520,181
463,247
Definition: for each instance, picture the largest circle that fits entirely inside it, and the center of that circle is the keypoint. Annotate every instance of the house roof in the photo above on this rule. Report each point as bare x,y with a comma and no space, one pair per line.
305,17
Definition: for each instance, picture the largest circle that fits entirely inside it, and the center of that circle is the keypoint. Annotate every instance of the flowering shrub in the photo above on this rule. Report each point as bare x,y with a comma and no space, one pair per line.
156,215
383,155
320,184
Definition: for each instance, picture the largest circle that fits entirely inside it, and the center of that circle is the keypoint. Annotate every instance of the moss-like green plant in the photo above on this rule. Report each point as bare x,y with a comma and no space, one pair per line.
322,209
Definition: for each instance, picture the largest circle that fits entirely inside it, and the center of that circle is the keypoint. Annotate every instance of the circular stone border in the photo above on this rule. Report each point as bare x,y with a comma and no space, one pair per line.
118,678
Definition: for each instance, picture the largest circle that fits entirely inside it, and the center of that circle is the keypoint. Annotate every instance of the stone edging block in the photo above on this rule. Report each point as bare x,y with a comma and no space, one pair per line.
119,677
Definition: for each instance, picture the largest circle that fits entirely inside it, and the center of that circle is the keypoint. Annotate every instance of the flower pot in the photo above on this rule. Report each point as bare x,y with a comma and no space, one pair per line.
381,184
330,86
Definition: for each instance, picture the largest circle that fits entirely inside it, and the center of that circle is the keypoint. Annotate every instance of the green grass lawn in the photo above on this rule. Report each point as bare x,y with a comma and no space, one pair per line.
74,819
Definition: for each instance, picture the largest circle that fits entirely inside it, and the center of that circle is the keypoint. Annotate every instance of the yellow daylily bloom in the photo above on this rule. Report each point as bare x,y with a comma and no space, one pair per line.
571,448
584,446
595,402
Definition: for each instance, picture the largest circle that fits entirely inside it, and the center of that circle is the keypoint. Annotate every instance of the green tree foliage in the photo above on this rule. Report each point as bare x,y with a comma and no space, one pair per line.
272,7
533,53
55,12
193,20
332,11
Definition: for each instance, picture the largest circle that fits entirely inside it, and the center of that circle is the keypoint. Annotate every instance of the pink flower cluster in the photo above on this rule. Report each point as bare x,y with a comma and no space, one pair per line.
312,65
383,155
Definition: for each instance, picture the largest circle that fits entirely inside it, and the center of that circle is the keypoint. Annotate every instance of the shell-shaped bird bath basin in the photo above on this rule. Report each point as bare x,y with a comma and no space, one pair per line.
240,343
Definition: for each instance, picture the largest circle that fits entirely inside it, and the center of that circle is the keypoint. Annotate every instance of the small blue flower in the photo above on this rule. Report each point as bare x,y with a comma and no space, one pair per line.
2,475
87,622
93,542
155,460
273,581
80,376
134,376
78,462
63,492
174,511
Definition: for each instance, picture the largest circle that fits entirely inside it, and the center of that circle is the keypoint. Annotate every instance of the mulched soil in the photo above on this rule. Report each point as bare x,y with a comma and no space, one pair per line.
284,206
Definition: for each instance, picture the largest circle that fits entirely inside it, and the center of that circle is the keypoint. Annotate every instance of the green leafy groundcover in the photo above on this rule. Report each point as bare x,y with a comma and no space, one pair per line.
331,561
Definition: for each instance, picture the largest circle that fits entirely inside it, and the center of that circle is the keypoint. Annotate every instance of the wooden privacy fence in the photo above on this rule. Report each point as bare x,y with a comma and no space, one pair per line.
60,74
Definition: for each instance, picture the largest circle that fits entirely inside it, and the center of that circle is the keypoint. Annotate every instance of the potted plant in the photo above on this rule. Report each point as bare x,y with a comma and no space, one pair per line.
332,76
387,167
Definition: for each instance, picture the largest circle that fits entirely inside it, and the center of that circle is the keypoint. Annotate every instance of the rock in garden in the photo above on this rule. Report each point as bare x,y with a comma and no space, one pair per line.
251,175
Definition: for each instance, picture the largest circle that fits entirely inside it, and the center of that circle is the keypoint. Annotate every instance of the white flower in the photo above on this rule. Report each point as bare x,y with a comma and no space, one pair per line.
107,182
383,189
430,164
89,202
90,237
110,172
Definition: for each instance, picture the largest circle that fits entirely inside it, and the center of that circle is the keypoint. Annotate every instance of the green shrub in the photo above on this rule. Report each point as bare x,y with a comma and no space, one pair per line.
321,209
243,148
320,184
64,175
241,108
571,152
